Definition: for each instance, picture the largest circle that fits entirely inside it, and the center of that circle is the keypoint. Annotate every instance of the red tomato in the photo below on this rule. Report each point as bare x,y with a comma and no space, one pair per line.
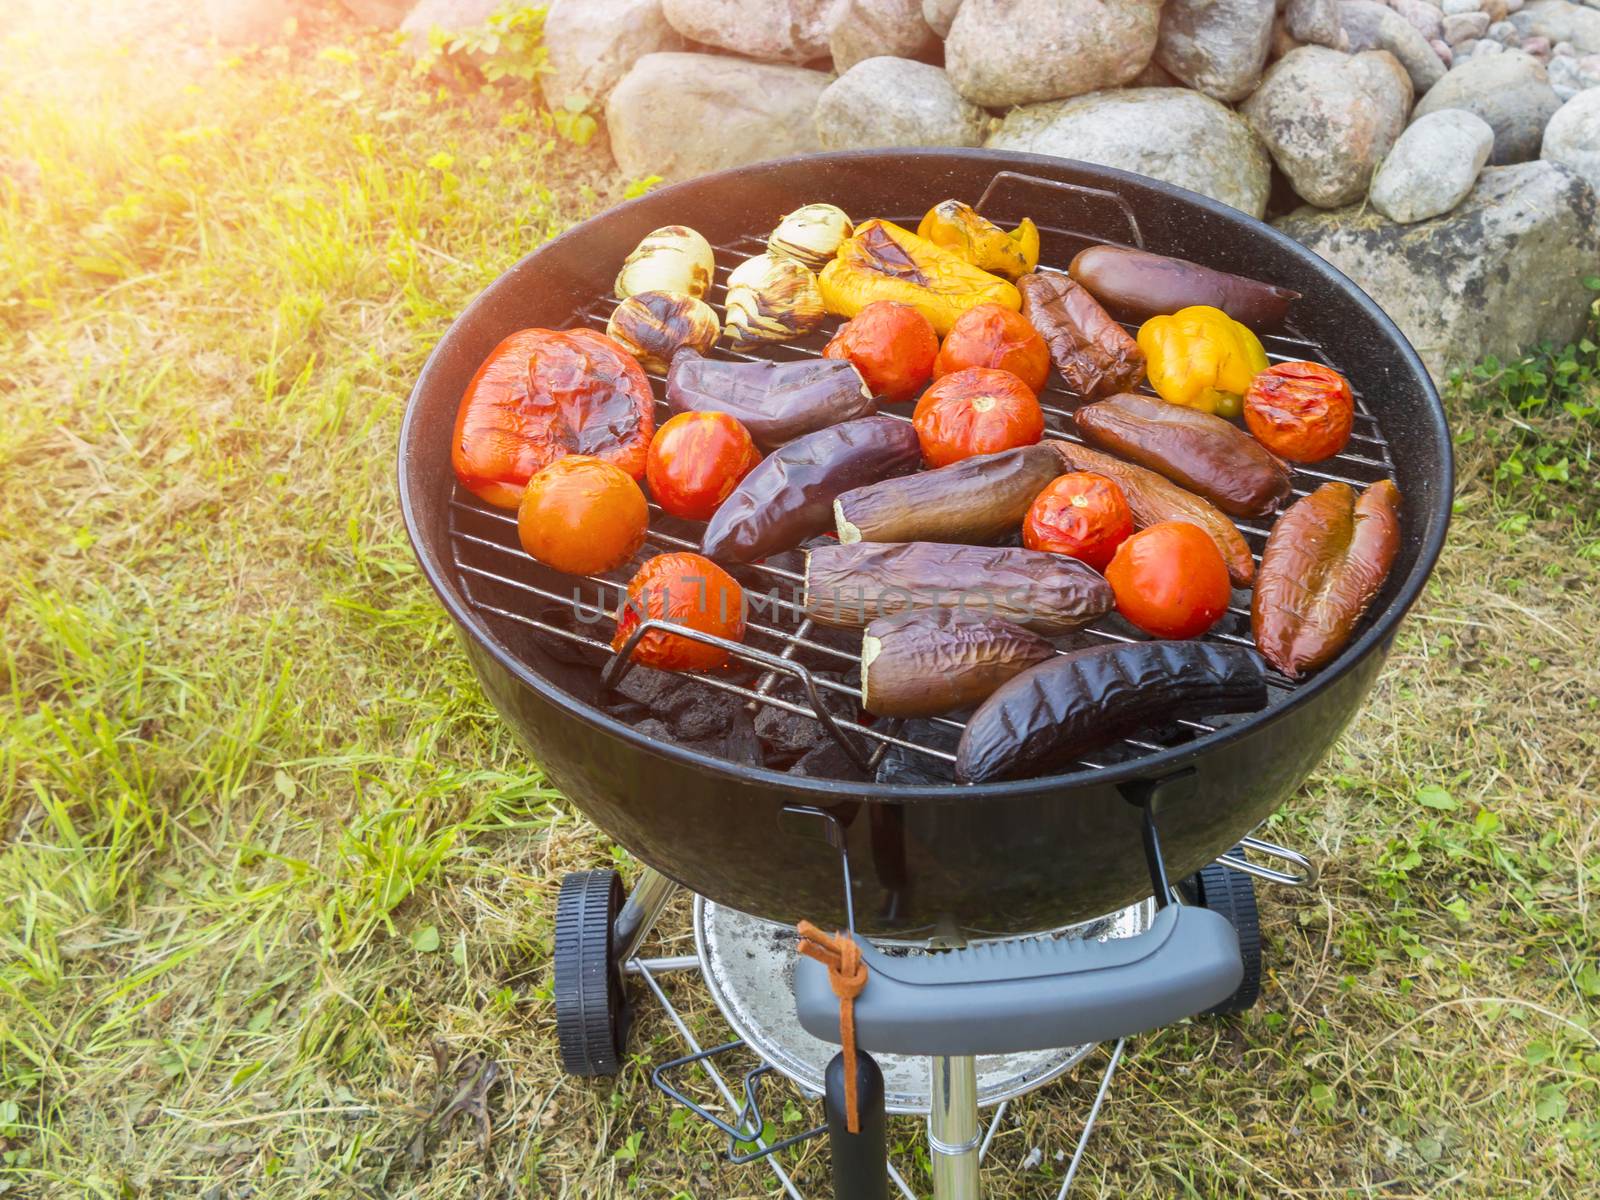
696,459
582,516
1081,515
989,335
542,394
1170,580
976,411
688,590
1301,411
892,345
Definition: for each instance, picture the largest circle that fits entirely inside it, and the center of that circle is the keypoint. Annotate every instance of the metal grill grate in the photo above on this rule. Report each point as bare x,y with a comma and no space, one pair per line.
505,585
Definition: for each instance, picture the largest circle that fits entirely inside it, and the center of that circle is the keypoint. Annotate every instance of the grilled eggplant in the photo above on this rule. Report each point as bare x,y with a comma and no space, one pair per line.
1094,354
852,586
1136,285
776,401
1152,499
979,499
790,495
1204,453
1325,560
1069,706
921,664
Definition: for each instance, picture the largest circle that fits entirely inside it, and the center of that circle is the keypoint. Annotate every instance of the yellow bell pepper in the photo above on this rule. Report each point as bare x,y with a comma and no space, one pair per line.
957,227
1199,357
885,262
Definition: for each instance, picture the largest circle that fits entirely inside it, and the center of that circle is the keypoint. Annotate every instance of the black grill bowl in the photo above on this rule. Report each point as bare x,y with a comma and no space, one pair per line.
1006,857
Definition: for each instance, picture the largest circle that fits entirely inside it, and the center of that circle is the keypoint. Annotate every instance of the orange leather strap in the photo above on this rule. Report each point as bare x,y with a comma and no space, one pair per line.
847,975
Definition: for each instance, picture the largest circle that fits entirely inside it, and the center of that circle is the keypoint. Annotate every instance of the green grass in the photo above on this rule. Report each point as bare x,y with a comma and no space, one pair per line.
276,884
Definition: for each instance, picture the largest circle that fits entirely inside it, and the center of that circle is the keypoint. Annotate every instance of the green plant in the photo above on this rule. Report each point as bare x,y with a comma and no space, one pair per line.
509,45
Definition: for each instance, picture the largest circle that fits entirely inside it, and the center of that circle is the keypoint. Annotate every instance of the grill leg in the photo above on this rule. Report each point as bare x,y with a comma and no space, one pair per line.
640,911
953,1133
860,1160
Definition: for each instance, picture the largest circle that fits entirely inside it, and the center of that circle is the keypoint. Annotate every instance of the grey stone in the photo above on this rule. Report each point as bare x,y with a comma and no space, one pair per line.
1561,22
1372,26
1483,46
1328,119
1317,22
1451,7
1573,137
248,22
1510,90
1538,47
591,44
1433,165
1465,26
1502,271
1505,33
896,102
1570,75
1425,18
680,115
794,31
862,29
1004,52
939,14
1171,134
1446,55
1216,46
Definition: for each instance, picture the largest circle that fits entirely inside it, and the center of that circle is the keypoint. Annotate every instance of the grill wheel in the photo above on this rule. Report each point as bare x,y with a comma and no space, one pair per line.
1233,894
592,1012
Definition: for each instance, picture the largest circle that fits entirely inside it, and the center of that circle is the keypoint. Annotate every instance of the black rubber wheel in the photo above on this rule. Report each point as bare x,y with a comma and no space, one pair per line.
591,1008
1233,894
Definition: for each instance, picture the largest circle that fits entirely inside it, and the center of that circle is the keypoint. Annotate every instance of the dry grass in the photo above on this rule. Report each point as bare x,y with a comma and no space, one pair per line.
248,783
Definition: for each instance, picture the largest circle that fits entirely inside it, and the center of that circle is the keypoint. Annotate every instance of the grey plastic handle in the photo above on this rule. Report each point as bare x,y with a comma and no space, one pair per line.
1033,993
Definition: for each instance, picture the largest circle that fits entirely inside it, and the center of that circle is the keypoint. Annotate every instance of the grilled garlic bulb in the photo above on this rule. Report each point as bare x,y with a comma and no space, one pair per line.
771,299
673,258
653,326
811,235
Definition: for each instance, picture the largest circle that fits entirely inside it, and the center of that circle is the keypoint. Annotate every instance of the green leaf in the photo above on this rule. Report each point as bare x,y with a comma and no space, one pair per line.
1434,796
239,1077
425,940
1536,1053
1551,1104
285,784
1588,980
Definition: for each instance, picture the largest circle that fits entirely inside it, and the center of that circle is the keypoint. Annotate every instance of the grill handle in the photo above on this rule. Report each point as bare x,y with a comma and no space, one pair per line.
1120,203
1031,994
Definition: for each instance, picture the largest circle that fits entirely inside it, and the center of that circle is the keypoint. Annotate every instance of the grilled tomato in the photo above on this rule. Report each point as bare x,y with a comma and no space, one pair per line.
976,411
1301,411
582,515
891,344
542,394
1082,515
695,460
686,590
1170,580
992,336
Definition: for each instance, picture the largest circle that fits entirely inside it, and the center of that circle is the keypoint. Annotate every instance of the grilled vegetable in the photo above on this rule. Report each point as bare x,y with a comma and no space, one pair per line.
686,590
1170,580
979,499
976,411
771,299
582,516
1072,705
1201,358
892,345
1152,498
790,495
1136,285
957,227
921,664
885,262
1094,354
653,326
851,586
992,336
810,235
775,401
1082,515
696,459
542,394
1301,410
1325,560
673,258
1196,450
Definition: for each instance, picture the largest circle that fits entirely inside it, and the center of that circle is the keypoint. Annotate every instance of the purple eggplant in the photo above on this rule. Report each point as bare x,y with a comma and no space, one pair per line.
776,401
852,586
1136,285
789,496
921,664
979,499
1062,709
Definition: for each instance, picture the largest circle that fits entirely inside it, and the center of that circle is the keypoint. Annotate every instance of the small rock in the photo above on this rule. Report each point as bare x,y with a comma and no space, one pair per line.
1425,18
1563,50
1538,47
1433,166
1497,9
1452,7
1501,272
248,22
1570,75
794,31
1561,22
1484,46
1216,46
1328,119
1371,26
591,44
1573,136
1514,6
896,102
1465,50
1505,33
1317,22
1283,41
1171,134
1465,27
1005,52
680,115
862,29
1446,55
939,14
1510,90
